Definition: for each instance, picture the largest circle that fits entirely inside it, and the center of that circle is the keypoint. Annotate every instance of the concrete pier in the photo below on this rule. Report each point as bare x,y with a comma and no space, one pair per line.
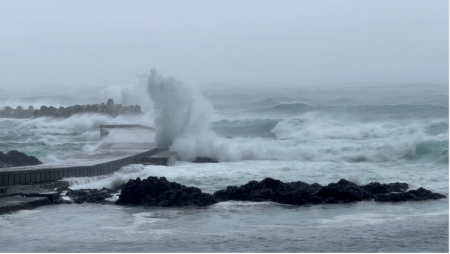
16,203
26,197
27,187
107,159
82,167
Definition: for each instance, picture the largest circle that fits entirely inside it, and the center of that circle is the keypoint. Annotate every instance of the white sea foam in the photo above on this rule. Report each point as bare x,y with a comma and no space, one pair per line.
313,126
83,122
180,110
210,177
183,117
128,95
112,181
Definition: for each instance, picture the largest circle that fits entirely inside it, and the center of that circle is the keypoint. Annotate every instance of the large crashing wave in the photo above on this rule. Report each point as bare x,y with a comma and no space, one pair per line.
183,120
182,117
180,110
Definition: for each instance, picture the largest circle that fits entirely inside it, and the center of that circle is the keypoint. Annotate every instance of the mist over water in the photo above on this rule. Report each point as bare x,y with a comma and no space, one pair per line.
291,136
189,124
312,91
233,125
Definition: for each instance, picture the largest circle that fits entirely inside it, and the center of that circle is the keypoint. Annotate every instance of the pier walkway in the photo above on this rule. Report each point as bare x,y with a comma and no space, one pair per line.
105,160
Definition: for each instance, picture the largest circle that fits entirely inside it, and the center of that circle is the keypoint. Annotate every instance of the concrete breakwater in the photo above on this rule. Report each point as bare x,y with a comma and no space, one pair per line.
64,112
51,173
27,187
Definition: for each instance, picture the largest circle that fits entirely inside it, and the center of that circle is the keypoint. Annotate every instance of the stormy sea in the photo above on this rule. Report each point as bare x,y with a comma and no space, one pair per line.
316,134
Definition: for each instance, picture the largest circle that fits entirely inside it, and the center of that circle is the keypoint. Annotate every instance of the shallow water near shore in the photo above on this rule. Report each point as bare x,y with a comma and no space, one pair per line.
230,227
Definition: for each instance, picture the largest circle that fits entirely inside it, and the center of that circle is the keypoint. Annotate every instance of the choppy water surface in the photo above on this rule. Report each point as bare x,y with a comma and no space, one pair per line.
230,227
241,226
285,137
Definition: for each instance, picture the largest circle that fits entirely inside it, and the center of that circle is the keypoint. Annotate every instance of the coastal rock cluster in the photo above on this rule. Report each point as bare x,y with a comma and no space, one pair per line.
15,158
155,191
300,193
64,112
90,195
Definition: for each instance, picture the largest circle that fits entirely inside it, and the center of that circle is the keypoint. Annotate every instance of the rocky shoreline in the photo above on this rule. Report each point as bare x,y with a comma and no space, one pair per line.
15,158
108,108
155,191
159,192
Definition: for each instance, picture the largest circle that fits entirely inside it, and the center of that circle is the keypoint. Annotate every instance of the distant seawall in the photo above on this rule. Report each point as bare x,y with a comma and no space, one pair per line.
32,175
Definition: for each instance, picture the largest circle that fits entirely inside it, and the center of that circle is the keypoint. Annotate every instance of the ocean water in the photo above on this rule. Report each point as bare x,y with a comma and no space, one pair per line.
362,135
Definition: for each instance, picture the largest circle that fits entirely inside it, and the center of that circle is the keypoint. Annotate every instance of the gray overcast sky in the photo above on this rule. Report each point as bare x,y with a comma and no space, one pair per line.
104,43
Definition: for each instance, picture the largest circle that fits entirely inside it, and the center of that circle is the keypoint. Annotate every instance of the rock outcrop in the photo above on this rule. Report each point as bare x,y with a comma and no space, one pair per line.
412,195
15,158
155,191
300,193
90,195
204,160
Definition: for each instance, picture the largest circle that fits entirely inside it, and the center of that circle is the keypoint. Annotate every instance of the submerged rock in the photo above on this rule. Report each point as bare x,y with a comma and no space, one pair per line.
15,158
155,191
412,195
378,188
90,195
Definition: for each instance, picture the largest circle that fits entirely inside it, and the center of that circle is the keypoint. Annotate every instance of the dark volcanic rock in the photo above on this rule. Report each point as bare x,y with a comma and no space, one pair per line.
343,192
412,195
295,193
155,191
377,188
299,193
16,159
204,160
90,195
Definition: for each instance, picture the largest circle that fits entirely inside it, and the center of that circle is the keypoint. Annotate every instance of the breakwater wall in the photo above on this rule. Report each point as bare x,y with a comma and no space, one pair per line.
108,109
31,175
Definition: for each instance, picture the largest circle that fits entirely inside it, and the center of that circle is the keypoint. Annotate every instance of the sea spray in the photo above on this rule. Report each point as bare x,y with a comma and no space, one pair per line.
183,119
129,94
180,110
183,116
